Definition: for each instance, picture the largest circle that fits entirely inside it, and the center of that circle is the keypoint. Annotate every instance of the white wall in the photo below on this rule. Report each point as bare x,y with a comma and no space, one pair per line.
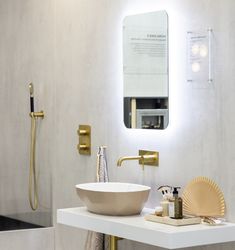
200,138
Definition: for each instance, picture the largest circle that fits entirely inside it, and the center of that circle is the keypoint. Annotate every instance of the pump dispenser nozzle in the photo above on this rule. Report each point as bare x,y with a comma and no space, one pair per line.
175,191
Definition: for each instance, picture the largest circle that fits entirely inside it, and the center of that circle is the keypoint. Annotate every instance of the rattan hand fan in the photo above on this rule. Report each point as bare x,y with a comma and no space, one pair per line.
202,197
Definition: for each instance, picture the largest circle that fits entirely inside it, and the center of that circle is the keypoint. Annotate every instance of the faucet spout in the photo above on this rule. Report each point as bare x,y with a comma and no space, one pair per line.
144,158
128,158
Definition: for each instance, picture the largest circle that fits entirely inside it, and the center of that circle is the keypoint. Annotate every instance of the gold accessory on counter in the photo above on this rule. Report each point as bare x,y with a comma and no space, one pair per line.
203,197
213,221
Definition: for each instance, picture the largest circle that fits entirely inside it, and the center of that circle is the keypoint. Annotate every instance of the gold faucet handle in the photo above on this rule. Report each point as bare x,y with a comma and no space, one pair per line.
83,147
83,132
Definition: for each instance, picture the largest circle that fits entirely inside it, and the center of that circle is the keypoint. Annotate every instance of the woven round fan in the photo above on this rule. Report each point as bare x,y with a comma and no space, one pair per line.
203,197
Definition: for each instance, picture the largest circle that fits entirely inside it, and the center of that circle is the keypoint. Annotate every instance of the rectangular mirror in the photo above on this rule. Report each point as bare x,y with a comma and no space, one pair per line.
145,70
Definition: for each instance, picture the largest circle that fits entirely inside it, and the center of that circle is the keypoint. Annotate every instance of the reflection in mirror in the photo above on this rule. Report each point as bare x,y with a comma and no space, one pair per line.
145,70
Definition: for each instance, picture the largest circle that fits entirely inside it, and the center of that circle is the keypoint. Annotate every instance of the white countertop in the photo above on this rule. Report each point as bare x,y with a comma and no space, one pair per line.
136,228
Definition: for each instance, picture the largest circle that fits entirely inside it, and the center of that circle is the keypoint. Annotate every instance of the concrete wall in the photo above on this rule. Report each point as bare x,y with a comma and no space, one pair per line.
36,239
26,54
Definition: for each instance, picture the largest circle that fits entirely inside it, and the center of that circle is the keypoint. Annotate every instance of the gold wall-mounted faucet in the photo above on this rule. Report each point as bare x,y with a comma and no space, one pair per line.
150,158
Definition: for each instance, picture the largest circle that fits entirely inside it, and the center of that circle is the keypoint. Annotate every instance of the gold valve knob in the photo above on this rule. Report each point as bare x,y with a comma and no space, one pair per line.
83,147
83,132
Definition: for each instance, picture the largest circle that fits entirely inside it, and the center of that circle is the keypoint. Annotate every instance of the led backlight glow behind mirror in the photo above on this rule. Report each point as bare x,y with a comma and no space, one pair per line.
145,70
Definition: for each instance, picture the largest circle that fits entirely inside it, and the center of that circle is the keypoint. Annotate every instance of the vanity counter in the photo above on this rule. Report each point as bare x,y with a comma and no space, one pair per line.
136,228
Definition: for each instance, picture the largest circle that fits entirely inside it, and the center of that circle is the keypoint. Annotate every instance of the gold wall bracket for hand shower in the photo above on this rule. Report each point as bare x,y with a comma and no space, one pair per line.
39,114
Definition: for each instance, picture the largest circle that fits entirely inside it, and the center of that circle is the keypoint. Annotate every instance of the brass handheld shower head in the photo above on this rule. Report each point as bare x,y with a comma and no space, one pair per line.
31,89
31,97
33,183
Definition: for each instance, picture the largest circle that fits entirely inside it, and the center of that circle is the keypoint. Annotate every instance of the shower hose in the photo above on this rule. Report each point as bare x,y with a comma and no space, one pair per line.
33,189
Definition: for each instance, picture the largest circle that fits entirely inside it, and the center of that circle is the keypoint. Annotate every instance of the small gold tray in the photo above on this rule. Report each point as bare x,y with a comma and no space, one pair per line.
174,222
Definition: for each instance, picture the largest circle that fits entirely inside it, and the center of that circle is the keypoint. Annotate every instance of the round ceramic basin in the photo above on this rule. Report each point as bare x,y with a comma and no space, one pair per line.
113,198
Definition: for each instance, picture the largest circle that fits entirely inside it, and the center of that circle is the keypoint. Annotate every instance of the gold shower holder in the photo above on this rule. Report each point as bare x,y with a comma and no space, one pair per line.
39,114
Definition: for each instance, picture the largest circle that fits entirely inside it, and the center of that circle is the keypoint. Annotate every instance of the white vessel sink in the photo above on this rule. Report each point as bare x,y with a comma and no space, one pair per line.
113,198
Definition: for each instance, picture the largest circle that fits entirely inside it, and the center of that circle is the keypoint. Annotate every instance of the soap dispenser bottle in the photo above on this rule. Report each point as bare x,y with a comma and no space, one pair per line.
176,205
166,192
